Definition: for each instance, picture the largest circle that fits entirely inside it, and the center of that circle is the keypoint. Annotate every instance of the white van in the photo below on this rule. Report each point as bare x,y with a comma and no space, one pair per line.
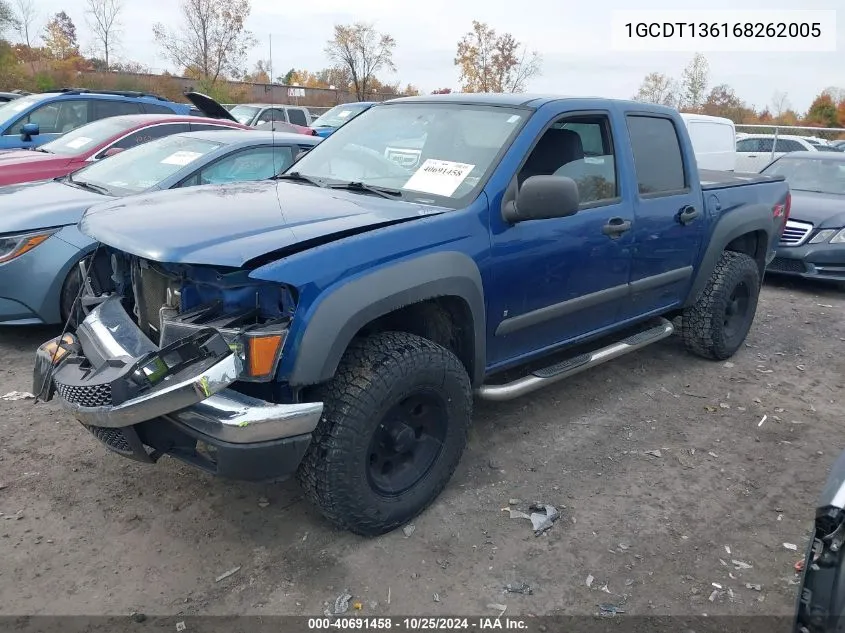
713,141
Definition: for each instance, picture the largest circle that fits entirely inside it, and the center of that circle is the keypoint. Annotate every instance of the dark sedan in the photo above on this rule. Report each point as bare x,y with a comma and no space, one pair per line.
813,242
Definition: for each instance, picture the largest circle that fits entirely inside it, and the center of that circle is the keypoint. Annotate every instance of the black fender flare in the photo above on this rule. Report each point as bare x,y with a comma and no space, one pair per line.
339,316
750,219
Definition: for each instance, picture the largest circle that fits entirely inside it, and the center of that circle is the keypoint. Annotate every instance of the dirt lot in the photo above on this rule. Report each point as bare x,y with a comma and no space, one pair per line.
87,532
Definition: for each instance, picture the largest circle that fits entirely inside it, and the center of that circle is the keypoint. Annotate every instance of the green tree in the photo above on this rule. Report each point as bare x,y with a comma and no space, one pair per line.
60,37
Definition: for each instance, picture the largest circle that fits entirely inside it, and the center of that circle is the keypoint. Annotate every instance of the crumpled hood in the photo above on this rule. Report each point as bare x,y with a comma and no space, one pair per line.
824,210
229,225
36,205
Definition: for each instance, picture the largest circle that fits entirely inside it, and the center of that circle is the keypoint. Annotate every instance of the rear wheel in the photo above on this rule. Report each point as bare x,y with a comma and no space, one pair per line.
716,325
395,424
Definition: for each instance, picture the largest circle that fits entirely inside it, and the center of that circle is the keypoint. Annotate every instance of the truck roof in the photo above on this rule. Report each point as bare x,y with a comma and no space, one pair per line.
524,100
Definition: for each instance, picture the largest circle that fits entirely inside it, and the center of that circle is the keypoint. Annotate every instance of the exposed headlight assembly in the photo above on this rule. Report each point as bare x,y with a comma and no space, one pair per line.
13,246
839,238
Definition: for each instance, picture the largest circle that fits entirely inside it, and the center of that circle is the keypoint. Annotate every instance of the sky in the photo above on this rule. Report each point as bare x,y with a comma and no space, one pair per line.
574,40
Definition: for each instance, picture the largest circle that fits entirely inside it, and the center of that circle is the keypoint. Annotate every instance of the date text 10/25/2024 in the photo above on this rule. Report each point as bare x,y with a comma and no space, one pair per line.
419,624
770,31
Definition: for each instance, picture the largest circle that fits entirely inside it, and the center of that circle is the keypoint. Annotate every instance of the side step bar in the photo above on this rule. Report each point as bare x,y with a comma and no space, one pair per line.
571,366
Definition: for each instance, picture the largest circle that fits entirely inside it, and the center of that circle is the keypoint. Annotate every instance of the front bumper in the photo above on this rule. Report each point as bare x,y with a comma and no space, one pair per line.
190,413
812,261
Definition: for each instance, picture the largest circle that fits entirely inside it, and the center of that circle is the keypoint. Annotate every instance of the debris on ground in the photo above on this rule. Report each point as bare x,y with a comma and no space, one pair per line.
610,609
341,604
763,419
17,395
497,606
712,454
519,587
226,574
799,566
514,502
800,367
729,364
724,405
542,517
749,585
624,546
713,595
263,502
728,549
409,529
436,597
716,584
180,626
606,589
738,564
655,453
791,546
589,581
137,617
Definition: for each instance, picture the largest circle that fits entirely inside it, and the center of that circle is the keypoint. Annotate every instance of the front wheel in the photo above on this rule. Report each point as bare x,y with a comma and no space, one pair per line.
395,423
716,325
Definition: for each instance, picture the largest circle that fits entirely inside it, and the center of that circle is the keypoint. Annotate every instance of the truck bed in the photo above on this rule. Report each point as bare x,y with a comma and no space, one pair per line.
713,179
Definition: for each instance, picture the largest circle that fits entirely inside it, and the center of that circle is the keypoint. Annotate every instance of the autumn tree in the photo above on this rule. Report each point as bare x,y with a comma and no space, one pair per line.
822,112
260,74
694,83
657,88
442,91
211,37
103,18
60,37
722,101
363,51
338,76
492,62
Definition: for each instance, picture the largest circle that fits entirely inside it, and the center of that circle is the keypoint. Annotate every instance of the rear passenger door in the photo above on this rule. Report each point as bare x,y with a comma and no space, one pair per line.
670,220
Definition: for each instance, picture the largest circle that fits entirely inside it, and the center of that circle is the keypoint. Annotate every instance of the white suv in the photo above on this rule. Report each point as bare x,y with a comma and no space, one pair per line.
755,151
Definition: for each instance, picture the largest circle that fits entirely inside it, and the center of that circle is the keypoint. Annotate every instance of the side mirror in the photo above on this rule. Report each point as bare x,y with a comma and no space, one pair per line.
112,151
29,130
542,198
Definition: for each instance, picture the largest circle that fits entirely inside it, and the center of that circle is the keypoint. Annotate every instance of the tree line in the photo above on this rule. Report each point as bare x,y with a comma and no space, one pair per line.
209,42
692,92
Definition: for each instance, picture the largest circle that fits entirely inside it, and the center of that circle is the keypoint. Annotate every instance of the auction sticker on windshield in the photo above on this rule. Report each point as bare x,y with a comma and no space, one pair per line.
181,158
344,114
78,143
438,177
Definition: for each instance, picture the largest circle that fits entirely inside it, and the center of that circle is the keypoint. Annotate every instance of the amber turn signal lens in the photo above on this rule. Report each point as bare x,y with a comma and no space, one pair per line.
262,353
55,352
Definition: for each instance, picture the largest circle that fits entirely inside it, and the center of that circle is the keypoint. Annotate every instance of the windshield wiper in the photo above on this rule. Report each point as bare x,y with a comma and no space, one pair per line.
357,185
297,177
82,184
41,149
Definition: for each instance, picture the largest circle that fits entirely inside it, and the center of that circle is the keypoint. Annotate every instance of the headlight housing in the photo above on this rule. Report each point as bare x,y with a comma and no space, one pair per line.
13,246
822,236
839,238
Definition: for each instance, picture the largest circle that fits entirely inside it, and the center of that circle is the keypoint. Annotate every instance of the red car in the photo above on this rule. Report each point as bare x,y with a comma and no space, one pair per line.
98,140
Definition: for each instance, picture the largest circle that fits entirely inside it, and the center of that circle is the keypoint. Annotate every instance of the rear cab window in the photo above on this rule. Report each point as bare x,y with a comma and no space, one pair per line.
658,157
297,116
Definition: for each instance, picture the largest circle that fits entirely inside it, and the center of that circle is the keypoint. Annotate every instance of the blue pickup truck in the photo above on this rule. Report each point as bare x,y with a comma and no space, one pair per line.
337,321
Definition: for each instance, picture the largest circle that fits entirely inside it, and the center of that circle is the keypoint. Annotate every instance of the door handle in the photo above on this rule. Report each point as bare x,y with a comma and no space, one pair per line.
687,215
752,156
615,227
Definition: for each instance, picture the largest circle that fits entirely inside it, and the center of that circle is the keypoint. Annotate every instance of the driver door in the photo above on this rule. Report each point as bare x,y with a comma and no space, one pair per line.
562,278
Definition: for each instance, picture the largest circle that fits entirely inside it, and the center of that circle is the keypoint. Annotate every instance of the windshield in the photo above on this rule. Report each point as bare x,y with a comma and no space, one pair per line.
810,174
144,166
12,108
244,114
423,152
87,137
339,115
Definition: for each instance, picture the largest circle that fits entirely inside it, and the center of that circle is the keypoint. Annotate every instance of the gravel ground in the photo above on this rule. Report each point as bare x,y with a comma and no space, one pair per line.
665,478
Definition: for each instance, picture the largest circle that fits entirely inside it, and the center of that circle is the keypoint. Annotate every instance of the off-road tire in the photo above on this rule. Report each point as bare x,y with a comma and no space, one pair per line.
703,325
374,375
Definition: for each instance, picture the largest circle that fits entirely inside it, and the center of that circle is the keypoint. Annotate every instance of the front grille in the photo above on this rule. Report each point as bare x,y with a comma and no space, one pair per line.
795,233
113,438
786,265
87,396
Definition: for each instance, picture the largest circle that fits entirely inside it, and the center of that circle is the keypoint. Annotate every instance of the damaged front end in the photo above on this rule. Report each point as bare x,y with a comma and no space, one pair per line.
181,360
